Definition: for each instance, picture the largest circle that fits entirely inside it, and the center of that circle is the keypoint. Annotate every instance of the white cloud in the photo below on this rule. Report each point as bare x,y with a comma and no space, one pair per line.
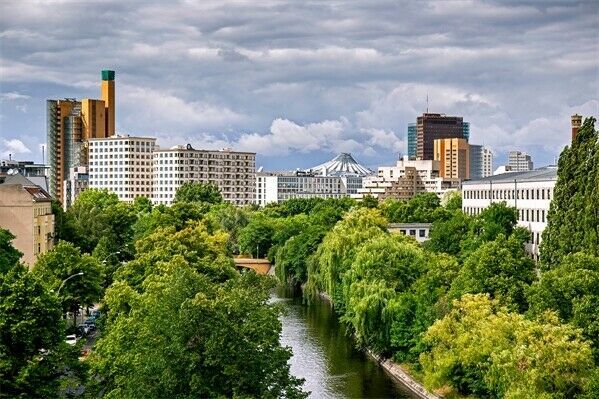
13,146
13,95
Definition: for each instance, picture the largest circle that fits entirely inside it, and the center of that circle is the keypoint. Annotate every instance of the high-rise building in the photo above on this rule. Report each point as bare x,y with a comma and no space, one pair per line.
122,165
109,101
430,127
576,124
454,158
519,161
481,162
233,172
63,124
69,124
412,140
26,211
93,118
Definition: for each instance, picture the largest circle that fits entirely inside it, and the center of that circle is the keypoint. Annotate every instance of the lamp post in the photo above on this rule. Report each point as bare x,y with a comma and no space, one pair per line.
109,255
67,279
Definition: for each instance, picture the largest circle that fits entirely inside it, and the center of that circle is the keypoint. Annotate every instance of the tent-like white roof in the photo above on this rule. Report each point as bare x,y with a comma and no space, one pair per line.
343,164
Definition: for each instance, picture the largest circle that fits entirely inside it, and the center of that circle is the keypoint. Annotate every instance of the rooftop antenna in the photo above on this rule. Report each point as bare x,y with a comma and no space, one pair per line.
427,103
43,154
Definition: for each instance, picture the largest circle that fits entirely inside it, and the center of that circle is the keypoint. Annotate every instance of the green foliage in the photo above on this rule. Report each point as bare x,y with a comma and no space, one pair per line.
483,349
571,288
33,355
500,268
338,249
182,334
447,235
230,219
256,237
9,256
573,218
198,192
369,202
422,208
382,268
63,261
292,257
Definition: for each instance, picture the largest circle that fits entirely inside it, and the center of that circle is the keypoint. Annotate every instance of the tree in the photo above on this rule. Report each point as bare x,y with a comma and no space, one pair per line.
9,256
500,268
383,267
369,202
186,337
480,348
256,237
198,192
62,262
33,354
571,288
447,235
338,250
573,218
291,259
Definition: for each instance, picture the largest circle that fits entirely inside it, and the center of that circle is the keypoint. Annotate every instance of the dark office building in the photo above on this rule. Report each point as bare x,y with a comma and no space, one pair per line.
430,127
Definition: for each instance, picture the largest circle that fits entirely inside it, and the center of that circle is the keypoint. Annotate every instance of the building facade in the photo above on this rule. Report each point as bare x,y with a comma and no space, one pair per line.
419,231
233,172
454,158
576,125
122,165
430,127
406,179
77,182
529,192
26,211
481,162
69,124
278,187
519,161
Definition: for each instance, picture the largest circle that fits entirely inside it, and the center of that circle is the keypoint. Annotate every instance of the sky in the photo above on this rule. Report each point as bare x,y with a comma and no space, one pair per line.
298,82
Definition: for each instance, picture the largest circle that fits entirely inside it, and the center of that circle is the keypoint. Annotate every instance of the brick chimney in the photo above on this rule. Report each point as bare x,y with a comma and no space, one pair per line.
576,124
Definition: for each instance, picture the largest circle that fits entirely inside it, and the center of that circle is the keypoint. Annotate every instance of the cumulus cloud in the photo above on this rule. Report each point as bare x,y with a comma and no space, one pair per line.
13,147
285,78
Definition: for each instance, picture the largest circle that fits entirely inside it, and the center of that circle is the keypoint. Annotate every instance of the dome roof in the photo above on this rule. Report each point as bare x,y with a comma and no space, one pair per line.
343,164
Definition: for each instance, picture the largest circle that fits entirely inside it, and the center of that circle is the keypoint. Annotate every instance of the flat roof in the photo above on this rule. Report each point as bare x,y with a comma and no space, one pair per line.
121,138
542,174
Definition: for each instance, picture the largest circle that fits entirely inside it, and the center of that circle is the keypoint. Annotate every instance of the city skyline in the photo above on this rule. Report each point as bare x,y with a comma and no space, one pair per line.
252,78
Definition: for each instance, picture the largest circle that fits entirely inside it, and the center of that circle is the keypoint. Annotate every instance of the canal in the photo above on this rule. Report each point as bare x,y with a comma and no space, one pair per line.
325,356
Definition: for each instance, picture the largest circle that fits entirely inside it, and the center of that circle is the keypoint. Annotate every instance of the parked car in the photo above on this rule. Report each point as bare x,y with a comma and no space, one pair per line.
71,339
81,330
90,324
96,314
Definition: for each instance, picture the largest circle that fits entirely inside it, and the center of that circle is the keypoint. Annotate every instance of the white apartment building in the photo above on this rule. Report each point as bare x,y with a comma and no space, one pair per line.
122,165
519,161
529,192
233,172
77,182
278,187
406,179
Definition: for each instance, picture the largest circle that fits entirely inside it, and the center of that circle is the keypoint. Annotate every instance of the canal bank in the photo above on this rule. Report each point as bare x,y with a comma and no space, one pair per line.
324,353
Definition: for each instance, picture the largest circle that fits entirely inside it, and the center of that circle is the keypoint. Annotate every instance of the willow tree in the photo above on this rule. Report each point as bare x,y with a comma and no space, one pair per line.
573,218
338,250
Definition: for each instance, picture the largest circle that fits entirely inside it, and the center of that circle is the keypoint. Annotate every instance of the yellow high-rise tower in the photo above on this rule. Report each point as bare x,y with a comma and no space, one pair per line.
453,155
108,98
93,119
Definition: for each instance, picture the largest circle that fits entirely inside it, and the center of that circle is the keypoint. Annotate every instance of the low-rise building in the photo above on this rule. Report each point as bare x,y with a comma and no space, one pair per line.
406,179
340,177
419,231
233,172
122,165
26,211
529,192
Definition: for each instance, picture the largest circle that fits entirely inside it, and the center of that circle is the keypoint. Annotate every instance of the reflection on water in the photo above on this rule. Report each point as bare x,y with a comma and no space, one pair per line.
325,356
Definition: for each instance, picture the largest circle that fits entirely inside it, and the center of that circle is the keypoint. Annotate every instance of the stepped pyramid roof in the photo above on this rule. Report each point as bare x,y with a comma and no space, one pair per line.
342,165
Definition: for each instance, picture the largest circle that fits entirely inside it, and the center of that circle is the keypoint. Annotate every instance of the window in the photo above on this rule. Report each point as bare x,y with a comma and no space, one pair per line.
421,233
413,232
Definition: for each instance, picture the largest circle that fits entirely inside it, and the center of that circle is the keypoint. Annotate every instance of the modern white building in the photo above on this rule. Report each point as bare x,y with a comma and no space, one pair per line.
340,177
529,192
122,165
233,172
419,231
406,179
278,187
77,182
519,161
